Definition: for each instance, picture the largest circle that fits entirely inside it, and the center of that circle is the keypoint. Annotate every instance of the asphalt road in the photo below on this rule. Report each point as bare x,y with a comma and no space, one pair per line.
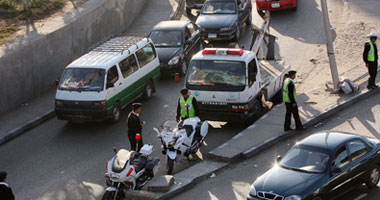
234,182
59,160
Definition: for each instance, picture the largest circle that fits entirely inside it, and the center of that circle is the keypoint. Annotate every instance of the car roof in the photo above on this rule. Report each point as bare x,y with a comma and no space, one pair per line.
330,140
109,53
171,25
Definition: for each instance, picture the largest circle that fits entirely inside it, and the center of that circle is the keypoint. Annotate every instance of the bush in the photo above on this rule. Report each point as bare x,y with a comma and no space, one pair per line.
8,4
38,3
58,3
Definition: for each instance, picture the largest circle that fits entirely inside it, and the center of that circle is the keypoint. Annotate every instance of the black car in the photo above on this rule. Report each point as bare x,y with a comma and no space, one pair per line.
193,4
176,42
222,19
322,166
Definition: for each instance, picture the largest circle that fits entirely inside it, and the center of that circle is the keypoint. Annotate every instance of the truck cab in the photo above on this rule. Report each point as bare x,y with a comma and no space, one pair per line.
226,83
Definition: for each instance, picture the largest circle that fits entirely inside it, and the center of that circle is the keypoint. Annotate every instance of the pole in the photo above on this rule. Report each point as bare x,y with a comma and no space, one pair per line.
329,45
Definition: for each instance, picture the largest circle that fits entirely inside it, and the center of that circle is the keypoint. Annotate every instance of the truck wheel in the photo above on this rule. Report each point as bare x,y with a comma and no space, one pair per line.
258,107
148,92
169,166
116,112
373,178
188,11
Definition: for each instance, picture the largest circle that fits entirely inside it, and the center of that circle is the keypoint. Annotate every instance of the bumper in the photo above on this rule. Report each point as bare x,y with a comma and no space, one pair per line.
165,68
77,114
225,116
217,35
273,5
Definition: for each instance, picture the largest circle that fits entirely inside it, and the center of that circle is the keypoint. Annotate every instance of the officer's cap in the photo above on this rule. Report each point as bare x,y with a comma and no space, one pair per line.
136,105
3,175
292,72
184,91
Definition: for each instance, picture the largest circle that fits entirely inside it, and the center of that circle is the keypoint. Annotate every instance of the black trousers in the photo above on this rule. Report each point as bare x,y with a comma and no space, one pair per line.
372,71
289,111
132,140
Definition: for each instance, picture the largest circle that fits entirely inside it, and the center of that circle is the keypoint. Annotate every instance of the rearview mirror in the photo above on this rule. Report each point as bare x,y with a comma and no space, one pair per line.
278,158
110,85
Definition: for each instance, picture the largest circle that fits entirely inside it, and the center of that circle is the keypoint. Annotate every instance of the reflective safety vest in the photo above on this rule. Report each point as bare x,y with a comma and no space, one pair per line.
285,92
187,108
371,52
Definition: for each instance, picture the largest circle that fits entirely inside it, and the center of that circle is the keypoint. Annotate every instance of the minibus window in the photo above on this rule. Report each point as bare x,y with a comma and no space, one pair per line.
112,75
146,55
128,66
82,79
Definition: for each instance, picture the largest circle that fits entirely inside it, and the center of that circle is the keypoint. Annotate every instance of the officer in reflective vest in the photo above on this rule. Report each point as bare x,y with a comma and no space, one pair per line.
187,106
370,58
289,98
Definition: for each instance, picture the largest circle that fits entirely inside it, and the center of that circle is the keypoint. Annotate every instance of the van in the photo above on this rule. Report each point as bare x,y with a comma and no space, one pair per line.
101,83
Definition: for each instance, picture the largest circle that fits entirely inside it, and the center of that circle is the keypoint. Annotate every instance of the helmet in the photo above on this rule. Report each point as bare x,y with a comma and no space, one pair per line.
373,35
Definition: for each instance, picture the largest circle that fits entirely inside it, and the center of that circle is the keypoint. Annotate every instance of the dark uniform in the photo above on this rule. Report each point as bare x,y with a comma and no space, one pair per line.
372,65
289,100
134,127
5,191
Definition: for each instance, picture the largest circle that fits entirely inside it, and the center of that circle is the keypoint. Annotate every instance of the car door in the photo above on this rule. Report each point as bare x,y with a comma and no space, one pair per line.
338,182
128,66
361,162
253,74
195,37
113,78
188,47
243,10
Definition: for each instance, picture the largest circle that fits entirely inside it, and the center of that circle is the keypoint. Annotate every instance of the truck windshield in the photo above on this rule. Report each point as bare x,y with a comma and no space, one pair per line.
216,75
219,7
166,38
82,79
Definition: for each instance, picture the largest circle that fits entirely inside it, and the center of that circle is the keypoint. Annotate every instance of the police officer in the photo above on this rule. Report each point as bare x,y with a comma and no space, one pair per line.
289,98
5,191
370,58
187,106
135,126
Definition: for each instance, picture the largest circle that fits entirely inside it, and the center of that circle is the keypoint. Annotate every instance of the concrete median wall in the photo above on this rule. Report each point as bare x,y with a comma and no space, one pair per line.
29,67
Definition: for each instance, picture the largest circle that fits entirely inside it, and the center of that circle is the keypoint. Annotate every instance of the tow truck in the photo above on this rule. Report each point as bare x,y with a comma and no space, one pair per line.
231,84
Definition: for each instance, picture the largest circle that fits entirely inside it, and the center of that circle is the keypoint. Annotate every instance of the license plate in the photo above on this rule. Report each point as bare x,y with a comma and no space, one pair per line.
212,35
275,5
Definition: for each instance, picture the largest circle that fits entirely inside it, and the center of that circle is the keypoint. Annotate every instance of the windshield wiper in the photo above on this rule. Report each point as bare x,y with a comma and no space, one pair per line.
295,169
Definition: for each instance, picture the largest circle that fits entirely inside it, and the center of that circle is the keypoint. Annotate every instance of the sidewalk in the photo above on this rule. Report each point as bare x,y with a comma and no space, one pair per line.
38,110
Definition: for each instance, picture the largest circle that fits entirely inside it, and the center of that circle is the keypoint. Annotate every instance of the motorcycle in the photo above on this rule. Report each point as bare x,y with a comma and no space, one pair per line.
129,170
181,139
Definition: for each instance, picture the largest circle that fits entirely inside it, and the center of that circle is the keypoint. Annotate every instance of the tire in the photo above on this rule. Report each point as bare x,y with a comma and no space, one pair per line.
148,91
188,11
116,113
108,195
258,107
249,19
373,177
169,166
183,68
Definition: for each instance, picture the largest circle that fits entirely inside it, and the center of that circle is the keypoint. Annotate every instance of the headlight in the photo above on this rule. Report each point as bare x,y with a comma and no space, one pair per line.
293,197
226,29
174,60
58,103
252,191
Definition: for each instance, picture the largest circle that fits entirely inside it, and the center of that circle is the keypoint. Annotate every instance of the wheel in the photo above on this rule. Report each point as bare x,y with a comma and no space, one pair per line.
169,166
374,177
116,112
108,195
249,19
237,33
188,11
183,69
148,92
258,107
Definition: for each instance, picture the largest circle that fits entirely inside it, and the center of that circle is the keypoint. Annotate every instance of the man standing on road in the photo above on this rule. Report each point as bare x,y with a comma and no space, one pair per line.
289,98
5,191
370,58
187,106
135,126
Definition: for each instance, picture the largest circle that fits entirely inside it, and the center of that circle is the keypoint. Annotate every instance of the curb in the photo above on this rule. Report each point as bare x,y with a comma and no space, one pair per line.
27,126
176,15
274,140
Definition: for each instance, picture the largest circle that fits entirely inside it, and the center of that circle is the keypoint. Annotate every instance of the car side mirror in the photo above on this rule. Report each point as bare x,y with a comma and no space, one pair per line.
110,85
278,158
188,42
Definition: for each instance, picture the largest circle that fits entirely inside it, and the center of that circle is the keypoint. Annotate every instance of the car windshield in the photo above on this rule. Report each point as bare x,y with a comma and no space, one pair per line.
306,159
82,79
166,38
218,74
219,7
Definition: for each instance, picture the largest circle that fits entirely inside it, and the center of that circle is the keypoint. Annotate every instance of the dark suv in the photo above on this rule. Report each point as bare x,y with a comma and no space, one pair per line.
222,19
193,4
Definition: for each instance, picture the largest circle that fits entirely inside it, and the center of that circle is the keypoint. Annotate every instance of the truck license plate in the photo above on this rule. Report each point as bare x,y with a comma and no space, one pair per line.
212,35
275,5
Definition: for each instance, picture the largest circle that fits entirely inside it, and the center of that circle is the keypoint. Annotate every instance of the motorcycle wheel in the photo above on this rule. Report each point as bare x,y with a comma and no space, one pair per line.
108,195
169,166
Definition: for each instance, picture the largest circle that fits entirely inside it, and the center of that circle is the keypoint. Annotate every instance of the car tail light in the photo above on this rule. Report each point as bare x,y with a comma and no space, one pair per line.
130,171
208,51
238,52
